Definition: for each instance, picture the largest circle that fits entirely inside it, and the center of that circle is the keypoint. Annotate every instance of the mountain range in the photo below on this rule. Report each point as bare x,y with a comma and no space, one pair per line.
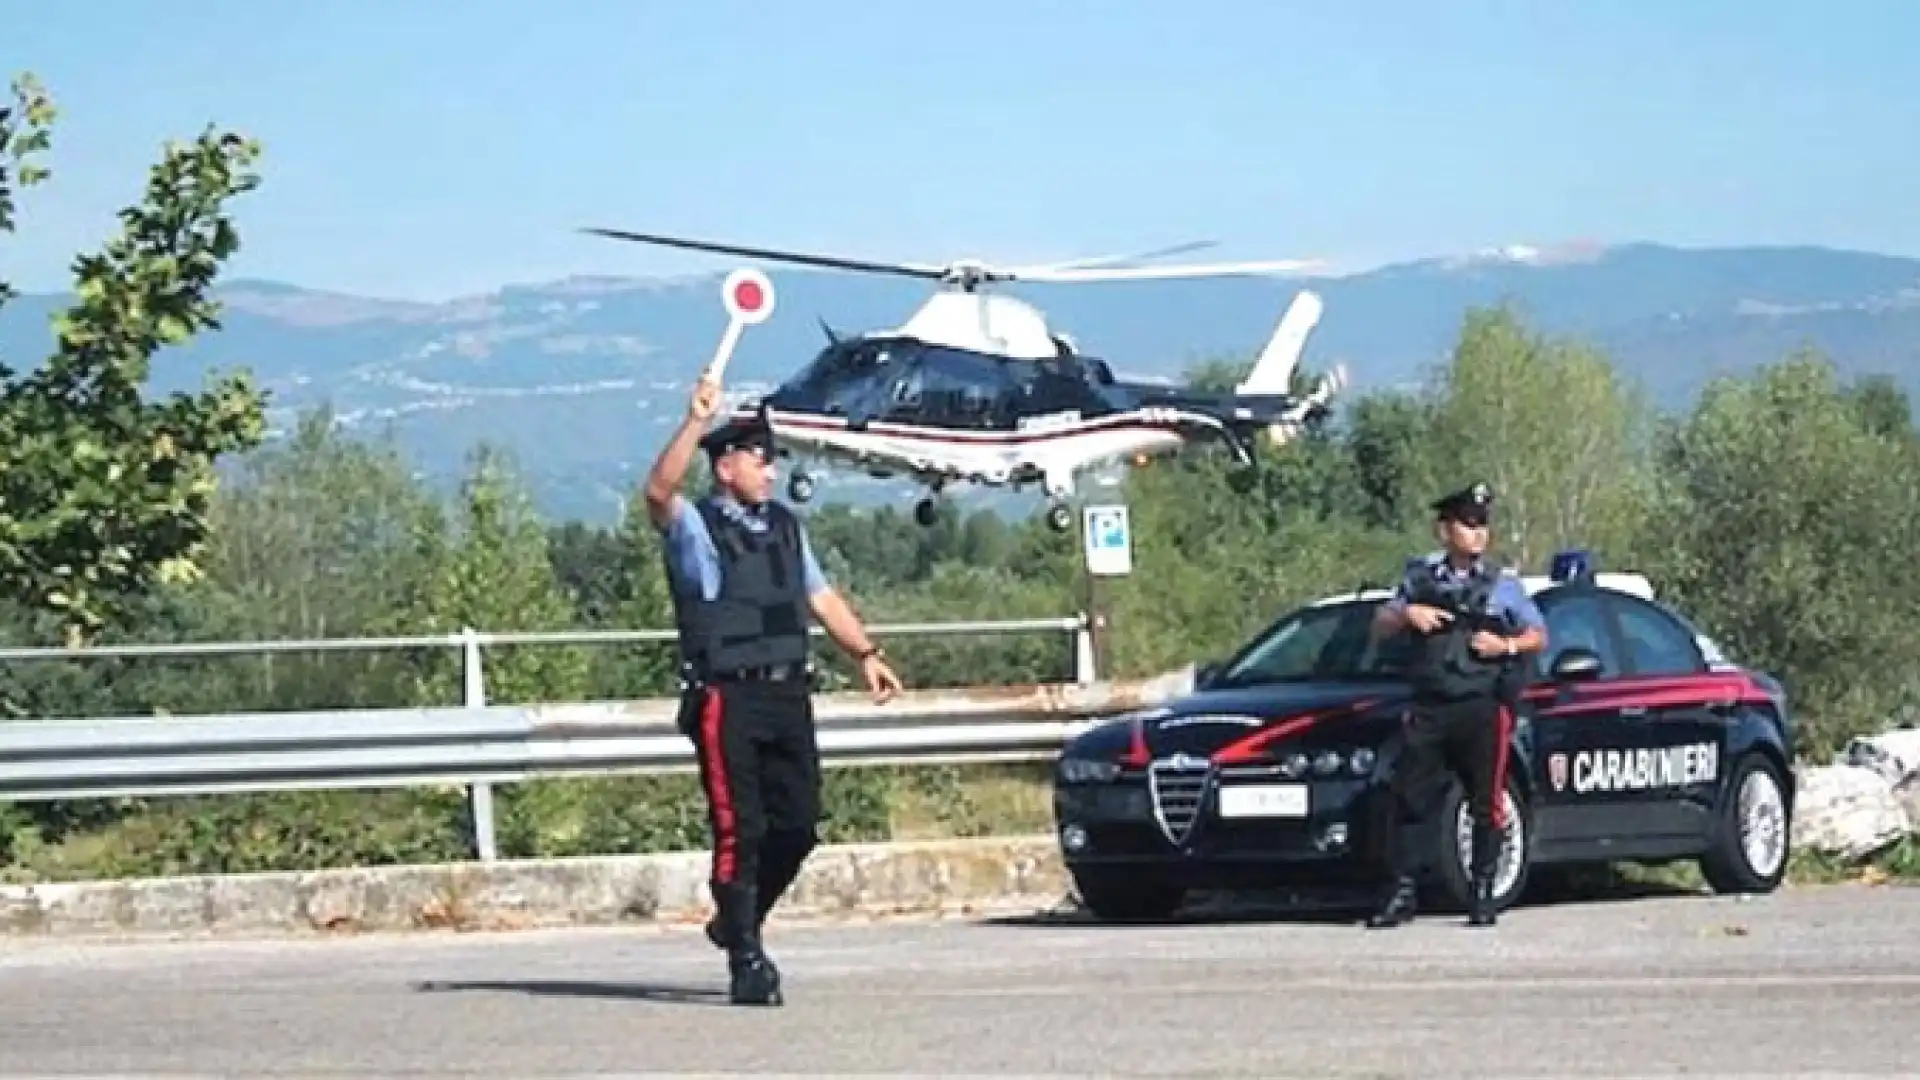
583,377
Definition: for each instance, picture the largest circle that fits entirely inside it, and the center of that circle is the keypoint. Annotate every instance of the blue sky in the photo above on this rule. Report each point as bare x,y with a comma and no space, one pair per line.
430,149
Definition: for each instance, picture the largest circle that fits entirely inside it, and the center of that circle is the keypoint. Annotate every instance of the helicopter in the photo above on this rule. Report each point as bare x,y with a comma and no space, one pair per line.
976,387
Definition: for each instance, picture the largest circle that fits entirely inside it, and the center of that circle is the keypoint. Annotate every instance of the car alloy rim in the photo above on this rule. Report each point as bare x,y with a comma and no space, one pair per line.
1506,870
1762,823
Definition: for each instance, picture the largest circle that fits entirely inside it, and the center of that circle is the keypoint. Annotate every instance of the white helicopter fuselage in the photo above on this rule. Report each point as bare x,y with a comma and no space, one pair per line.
1049,451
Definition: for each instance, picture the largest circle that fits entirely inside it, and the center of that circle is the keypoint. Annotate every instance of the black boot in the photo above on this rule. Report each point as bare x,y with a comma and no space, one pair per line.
1399,906
779,864
1486,860
1481,912
754,979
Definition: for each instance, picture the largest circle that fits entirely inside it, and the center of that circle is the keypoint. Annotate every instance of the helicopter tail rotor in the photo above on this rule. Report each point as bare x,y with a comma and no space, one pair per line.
1290,426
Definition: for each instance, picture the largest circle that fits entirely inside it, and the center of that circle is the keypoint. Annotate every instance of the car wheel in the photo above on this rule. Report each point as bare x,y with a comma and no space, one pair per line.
1454,865
1751,843
1122,897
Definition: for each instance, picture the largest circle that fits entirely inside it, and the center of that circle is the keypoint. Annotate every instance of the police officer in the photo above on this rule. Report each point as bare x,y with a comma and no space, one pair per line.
744,581
1473,626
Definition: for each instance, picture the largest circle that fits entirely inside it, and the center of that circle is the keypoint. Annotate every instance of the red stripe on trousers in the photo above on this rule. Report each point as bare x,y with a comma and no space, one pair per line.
726,837
1502,735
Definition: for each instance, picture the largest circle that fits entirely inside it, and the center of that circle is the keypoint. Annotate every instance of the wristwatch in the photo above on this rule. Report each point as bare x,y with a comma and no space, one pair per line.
869,653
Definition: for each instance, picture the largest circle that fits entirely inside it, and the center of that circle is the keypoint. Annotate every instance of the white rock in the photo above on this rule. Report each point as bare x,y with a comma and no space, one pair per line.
1895,755
1847,810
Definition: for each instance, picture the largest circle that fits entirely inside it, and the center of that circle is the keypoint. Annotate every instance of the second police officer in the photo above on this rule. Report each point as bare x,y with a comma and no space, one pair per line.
1474,628
745,586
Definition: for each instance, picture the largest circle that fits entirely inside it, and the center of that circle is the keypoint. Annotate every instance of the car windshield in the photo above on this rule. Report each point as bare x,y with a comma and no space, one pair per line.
1318,644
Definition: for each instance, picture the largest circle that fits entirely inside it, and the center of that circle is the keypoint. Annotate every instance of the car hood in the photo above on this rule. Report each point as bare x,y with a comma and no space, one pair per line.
1247,724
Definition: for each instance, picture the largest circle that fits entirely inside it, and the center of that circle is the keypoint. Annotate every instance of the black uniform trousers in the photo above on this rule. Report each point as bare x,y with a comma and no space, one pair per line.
1465,738
759,766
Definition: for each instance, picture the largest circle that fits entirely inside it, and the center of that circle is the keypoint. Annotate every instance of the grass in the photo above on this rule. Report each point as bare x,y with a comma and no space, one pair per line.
972,800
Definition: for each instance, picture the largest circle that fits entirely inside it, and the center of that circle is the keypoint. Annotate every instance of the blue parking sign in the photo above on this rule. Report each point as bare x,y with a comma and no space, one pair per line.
1108,541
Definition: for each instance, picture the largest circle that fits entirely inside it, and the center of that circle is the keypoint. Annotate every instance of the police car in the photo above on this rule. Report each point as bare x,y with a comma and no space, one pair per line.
1637,740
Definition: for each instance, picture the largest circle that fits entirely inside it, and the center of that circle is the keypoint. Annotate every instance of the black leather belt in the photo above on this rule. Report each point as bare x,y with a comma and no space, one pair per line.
773,673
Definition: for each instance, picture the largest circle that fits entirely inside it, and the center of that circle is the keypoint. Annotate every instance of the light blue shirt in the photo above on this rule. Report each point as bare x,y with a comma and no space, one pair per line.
1509,597
693,561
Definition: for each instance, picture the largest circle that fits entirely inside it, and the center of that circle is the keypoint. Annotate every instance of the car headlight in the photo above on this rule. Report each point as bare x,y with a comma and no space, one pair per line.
1362,761
1087,771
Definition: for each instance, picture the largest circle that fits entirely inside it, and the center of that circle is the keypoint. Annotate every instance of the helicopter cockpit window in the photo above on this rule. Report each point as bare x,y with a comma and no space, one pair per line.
948,388
906,390
844,377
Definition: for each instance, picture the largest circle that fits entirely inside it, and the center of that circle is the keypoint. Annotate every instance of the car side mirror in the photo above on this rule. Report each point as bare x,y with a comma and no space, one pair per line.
1576,664
1204,673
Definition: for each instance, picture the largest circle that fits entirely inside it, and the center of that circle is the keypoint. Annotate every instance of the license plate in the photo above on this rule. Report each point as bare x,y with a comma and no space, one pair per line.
1263,800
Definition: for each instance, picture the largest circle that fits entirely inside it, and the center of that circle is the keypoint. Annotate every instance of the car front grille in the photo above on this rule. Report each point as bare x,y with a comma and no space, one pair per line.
1179,787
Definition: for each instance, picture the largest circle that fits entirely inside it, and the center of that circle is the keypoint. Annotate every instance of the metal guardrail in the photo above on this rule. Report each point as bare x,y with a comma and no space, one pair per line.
479,745
470,640
149,756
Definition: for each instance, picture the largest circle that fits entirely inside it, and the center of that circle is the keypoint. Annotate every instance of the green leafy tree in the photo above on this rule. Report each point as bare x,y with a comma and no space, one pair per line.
1548,423
496,574
1788,525
104,494
1384,435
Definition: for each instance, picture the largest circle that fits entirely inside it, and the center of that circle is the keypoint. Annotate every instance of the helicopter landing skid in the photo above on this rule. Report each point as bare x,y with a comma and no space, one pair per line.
800,486
1241,449
927,510
1058,486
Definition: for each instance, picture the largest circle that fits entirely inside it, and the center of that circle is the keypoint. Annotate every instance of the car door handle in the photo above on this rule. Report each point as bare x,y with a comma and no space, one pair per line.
1633,710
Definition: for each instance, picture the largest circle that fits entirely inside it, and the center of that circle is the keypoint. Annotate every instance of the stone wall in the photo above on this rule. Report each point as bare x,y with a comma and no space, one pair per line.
521,894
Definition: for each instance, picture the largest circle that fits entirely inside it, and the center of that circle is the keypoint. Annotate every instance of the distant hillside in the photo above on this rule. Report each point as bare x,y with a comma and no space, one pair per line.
580,377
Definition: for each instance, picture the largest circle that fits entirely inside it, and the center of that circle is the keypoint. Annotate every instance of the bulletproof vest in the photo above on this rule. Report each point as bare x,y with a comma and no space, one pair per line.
1444,663
760,617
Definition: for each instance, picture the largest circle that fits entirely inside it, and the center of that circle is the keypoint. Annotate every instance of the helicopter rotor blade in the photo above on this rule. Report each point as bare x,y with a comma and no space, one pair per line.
1113,260
1149,273
971,272
831,262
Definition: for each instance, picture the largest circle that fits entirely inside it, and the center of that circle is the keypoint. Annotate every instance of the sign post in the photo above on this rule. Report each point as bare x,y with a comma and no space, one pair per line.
748,296
1107,546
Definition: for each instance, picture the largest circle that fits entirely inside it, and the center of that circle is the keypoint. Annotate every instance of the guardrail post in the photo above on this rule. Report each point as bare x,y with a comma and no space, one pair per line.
474,696
1086,668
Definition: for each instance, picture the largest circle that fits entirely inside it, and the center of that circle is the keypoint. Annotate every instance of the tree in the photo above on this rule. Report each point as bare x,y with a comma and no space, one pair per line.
1384,436
494,572
103,495
1788,528
1550,425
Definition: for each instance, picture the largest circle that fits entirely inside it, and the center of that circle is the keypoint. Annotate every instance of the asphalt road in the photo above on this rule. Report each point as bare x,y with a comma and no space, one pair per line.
1804,983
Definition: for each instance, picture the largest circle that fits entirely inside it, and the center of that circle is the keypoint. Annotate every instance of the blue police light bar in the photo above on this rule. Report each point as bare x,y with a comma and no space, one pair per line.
1571,565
